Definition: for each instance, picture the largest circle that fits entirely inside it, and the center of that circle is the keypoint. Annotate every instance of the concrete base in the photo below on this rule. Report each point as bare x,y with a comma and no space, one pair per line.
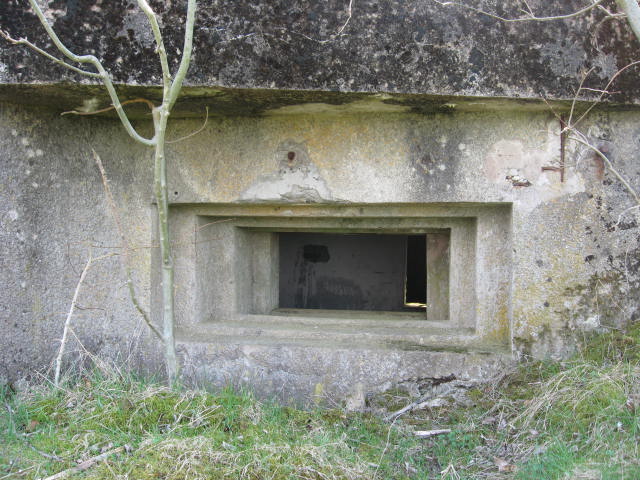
305,374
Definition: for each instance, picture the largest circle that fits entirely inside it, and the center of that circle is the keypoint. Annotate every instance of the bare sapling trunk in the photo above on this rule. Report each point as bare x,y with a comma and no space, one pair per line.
171,89
160,117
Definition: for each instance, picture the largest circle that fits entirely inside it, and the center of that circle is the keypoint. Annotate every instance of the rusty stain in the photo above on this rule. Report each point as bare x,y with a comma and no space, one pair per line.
563,141
599,167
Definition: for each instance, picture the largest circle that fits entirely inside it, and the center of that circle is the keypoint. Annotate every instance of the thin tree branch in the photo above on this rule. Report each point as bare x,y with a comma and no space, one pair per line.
580,138
88,463
631,8
125,247
160,49
331,38
187,48
127,102
106,79
74,305
206,119
44,454
575,97
604,92
624,212
24,41
530,17
19,472
611,14
349,14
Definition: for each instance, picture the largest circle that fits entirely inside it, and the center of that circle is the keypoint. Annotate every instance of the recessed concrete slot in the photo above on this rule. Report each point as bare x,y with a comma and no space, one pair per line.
400,276
364,271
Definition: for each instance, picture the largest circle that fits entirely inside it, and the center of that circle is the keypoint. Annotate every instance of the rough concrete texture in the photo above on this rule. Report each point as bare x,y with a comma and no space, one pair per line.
393,46
326,376
54,214
554,267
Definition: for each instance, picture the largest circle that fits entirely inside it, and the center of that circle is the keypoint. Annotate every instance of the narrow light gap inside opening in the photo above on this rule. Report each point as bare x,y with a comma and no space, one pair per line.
416,273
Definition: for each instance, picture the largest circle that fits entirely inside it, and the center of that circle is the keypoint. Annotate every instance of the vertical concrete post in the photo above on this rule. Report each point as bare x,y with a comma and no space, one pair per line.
437,276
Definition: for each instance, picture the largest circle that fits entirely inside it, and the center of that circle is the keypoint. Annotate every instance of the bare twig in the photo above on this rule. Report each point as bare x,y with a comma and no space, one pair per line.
384,450
624,212
19,472
569,128
102,110
67,322
423,398
87,463
431,433
160,49
35,48
349,15
125,247
582,139
104,367
102,74
206,119
577,95
529,16
44,454
172,95
449,473
604,92
333,36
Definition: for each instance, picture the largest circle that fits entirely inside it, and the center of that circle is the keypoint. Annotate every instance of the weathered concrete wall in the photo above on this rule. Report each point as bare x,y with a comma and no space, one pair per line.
573,268
53,213
395,46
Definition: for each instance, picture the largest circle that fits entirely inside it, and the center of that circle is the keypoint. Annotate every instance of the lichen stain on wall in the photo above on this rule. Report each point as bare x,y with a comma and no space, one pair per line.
501,331
596,304
531,314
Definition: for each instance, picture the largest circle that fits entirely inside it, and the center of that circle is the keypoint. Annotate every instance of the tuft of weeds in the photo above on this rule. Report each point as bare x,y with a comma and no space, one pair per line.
551,420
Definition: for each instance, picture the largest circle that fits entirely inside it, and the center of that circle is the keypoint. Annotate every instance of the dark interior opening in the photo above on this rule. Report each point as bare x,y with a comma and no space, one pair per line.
363,271
416,281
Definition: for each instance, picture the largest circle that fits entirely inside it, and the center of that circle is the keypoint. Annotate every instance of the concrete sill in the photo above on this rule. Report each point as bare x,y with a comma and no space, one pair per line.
284,331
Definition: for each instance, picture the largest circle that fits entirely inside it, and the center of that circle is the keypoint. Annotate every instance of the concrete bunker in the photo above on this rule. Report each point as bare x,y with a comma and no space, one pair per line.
408,142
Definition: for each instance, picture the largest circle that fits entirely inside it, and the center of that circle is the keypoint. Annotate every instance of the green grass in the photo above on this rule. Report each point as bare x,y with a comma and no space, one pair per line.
174,434
577,419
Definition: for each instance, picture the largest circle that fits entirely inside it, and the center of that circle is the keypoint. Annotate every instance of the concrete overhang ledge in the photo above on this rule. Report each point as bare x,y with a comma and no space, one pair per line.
223,101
